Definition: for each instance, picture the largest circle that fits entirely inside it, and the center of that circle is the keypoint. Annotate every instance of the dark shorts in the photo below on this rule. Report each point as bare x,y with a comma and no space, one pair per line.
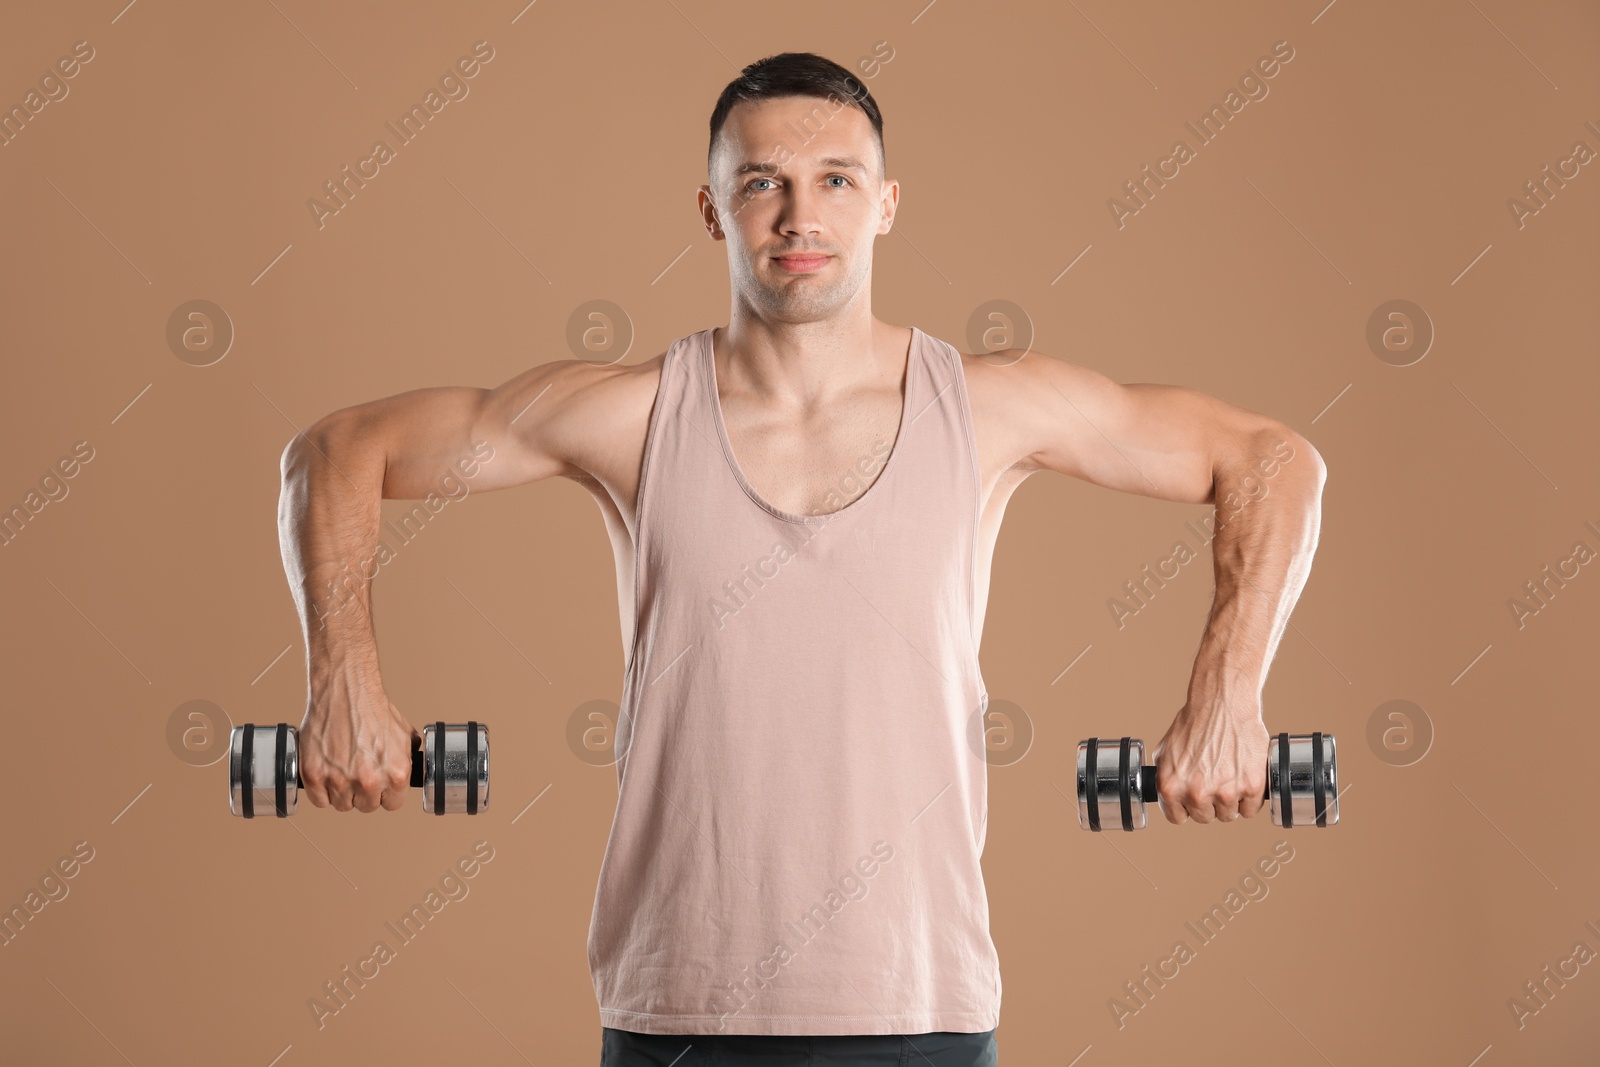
943,1048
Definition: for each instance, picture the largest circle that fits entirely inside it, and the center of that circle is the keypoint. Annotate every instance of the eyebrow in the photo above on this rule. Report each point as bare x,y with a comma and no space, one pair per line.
830,162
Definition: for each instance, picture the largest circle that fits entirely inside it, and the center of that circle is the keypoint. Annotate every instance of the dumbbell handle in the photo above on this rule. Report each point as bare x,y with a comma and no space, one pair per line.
1147,786
449,763
1301,771
419,765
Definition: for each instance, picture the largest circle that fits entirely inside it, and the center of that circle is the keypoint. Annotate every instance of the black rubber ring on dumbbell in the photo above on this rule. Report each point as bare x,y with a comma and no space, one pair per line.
438,768
1091,783
472,767
280,775
247,778
1122,785
1316,778
1285,797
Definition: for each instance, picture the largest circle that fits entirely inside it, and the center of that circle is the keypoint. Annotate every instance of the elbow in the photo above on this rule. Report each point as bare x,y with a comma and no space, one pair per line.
1297,450
315,441
294,453
1318,465
1277,454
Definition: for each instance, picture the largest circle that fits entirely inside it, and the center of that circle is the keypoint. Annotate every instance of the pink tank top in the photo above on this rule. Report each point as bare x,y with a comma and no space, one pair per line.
802,793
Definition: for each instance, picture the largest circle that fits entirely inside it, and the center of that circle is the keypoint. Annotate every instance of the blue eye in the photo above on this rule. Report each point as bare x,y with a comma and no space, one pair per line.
751,184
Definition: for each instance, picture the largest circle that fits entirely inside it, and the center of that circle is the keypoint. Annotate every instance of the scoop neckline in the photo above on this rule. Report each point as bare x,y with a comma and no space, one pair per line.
709,361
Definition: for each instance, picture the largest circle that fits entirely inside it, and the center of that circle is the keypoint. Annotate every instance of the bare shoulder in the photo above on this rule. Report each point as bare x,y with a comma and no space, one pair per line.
1163,441
578,420
609,422
1002,389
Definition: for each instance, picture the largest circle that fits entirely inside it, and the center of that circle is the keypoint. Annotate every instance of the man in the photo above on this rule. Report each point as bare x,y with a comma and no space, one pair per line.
803,506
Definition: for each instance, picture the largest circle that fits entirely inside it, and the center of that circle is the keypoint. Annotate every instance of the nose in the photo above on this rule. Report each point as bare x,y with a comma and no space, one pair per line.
800,212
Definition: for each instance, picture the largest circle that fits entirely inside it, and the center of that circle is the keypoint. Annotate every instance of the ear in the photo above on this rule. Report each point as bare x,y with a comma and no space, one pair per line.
888,205
709,214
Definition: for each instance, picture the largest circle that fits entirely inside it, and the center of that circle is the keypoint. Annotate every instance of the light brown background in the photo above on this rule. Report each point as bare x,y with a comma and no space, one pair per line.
1379,167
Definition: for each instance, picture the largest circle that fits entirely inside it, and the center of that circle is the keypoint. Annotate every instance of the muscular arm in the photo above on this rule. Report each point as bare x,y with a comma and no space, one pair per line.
354,745
1266,483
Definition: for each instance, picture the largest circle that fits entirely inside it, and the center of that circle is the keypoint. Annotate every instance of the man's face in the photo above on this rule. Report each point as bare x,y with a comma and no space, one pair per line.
792,176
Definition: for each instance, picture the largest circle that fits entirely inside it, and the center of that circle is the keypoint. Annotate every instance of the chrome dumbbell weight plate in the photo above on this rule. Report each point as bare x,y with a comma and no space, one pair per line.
449,763
455,772
1114,785
1303,780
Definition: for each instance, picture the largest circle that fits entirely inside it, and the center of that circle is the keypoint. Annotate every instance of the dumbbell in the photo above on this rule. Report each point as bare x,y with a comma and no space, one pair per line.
449,762
1302,782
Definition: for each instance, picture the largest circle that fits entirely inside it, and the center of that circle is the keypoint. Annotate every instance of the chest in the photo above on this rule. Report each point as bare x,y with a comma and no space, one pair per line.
819,464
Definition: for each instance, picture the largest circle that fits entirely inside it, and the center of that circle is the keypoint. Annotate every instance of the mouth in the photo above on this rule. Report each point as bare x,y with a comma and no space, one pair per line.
802,263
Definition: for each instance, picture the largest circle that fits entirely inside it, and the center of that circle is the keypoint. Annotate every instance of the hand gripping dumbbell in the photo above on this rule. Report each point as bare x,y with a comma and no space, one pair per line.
1302,782
449,762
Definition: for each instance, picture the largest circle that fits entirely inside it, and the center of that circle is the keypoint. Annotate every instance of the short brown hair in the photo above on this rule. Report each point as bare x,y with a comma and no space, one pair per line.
795,74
